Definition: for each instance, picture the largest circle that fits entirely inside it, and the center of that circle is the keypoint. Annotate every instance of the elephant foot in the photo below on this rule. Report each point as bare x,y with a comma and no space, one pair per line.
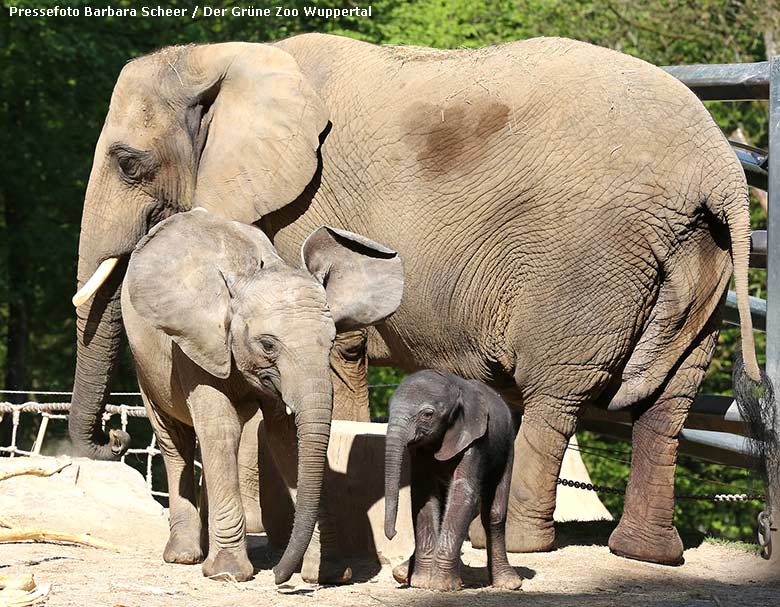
230,562
253,517
420,579
401,572
660,545
325,571
522,535
444,581
183,548
507,580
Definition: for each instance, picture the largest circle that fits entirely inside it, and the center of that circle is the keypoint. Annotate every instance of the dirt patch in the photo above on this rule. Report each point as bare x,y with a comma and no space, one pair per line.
582,575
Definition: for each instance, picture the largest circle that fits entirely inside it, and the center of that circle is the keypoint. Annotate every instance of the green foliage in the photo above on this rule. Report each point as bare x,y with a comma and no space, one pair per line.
382,381
56,77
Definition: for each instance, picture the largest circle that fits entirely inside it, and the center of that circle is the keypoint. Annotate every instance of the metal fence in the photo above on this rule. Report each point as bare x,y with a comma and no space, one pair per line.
739,82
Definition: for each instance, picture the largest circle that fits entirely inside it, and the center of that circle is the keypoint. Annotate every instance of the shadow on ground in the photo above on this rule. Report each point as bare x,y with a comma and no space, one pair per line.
596,533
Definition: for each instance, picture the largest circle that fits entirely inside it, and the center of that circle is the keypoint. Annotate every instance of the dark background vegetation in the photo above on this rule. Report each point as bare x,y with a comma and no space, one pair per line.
56,77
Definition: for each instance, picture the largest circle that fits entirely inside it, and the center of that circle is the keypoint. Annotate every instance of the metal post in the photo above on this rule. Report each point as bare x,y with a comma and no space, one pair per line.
773,279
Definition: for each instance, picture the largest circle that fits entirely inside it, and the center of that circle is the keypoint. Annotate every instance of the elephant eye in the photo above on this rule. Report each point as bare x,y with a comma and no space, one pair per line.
134,165
129,167
426,415
268,345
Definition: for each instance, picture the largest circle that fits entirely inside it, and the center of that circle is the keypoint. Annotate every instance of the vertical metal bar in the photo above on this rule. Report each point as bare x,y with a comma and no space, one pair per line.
14,431
36,450
773,276
149,456
123,418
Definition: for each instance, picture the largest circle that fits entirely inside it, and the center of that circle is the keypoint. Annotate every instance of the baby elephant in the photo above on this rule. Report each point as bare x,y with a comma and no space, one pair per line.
220,326
460,436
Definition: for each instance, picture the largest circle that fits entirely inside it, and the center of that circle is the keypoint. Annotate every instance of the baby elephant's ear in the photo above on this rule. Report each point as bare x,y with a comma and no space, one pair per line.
363,279
468,422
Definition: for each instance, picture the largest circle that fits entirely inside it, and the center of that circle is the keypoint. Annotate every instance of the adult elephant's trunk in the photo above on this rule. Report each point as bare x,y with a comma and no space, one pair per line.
395,445
313,410
110,228
99,332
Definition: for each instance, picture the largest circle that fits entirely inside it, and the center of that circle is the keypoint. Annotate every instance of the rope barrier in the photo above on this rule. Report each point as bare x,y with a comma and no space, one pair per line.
57,410
56,393
36,407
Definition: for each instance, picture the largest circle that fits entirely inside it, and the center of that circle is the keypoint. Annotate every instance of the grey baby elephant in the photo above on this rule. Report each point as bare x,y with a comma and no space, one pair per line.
460,437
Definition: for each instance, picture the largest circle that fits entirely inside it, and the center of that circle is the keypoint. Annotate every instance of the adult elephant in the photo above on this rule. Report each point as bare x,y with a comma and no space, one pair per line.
569,218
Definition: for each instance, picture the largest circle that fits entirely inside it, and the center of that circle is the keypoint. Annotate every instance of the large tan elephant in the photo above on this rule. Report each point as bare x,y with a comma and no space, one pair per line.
569,218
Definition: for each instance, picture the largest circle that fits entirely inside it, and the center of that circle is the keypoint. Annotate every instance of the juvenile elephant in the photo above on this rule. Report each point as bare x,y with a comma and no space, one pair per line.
569,217
460,438
219,325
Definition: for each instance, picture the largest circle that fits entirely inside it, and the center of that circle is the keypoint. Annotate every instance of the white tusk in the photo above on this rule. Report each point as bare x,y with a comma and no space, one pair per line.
289,411
93,284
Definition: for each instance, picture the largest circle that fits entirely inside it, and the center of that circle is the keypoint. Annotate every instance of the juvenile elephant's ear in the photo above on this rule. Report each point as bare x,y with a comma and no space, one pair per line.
255,121
177,279
364,280
467,423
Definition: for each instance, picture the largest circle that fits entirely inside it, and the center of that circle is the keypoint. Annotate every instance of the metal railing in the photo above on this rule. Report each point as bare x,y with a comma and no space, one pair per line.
739,82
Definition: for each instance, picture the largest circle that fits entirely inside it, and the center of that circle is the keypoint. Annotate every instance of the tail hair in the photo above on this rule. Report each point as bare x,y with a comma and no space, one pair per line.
756,404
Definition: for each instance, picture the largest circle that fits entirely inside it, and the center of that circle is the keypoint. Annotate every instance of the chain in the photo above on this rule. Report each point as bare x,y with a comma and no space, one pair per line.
715,497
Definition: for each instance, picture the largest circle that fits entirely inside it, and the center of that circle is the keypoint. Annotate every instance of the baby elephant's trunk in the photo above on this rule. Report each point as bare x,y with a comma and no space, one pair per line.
395,445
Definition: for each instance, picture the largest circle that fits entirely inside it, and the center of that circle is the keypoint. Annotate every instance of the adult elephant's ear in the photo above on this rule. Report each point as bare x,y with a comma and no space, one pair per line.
363,279
255,122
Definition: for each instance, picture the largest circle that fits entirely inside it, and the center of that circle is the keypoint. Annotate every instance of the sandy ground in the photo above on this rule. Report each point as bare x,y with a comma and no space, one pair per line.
581,575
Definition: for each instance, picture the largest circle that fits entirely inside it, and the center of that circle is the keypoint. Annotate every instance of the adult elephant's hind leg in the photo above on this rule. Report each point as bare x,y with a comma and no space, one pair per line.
646,530
541,442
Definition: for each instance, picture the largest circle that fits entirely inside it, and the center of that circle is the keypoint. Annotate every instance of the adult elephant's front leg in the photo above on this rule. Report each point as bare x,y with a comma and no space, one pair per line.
646,531
218,426
249,473
544,433
349,370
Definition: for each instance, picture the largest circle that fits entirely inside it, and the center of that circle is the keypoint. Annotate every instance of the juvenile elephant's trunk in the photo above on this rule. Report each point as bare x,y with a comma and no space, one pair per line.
312,417
99,332
395,445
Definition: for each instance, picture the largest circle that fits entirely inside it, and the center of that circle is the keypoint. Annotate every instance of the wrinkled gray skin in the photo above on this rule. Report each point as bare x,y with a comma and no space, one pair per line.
569,218
220,326
459,435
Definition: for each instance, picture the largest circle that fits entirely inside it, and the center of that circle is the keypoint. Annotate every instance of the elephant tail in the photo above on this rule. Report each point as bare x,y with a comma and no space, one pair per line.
737,216
753,390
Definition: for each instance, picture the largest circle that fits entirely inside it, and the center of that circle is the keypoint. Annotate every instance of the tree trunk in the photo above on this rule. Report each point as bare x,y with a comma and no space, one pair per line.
17,332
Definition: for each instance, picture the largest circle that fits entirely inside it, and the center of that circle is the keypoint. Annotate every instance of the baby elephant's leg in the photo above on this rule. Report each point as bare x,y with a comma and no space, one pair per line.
494,507
218,426
462,500
426,513
177,445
